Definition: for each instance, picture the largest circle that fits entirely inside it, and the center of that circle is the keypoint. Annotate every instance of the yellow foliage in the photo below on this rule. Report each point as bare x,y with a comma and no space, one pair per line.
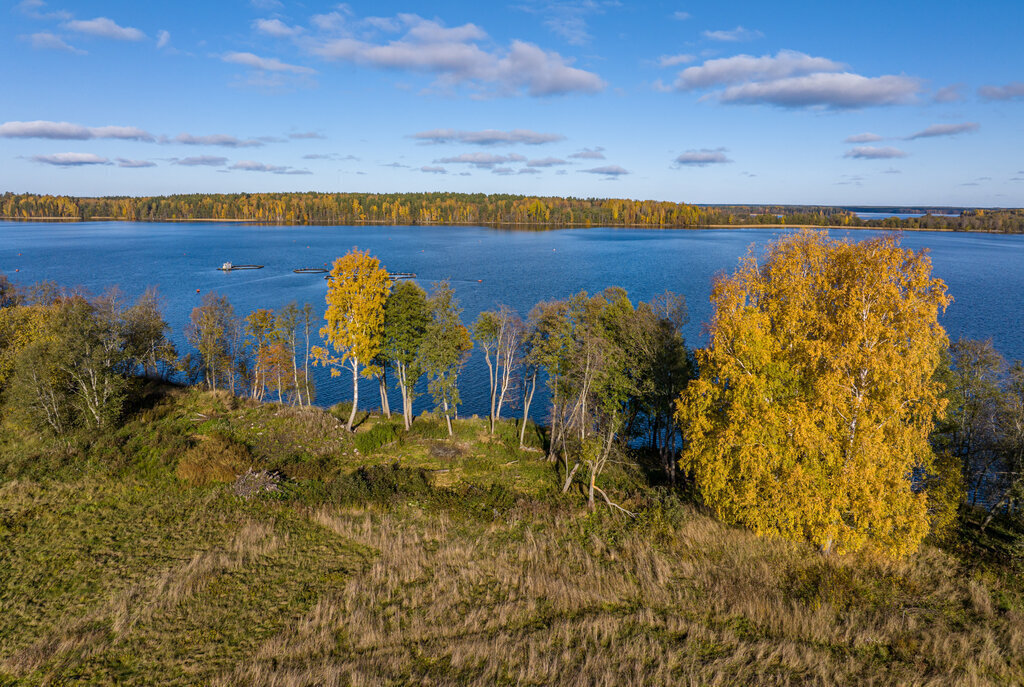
811,416
356,292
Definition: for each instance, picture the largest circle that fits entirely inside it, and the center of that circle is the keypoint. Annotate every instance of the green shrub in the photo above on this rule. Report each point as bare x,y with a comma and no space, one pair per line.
378,436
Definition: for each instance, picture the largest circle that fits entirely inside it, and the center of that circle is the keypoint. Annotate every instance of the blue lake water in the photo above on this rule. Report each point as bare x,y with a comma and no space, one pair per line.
985,272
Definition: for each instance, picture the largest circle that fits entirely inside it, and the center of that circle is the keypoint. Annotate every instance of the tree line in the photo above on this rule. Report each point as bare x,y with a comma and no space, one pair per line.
828,406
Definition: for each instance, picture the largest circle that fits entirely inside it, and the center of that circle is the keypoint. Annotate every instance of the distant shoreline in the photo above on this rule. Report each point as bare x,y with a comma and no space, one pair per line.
525,225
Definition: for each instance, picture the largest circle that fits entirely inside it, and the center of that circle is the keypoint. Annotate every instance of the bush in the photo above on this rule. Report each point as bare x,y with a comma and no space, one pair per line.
378,436
215,458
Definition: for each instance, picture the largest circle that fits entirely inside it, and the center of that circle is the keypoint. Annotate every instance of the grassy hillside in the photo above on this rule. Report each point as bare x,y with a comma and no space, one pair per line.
387,559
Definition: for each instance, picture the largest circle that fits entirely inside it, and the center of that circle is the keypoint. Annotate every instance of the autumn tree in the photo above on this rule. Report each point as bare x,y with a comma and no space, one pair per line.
216,334
816,396
499,334
357,289
444,350
406,315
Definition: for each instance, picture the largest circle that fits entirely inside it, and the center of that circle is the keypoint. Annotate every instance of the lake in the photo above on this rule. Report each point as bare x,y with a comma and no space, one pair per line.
985,272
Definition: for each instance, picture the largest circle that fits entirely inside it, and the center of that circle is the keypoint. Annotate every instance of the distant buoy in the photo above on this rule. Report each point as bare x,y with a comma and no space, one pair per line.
197,290
479,280
17,270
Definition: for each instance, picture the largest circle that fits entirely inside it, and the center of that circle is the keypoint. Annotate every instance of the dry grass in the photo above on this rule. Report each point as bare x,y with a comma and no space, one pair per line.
709,605
485,578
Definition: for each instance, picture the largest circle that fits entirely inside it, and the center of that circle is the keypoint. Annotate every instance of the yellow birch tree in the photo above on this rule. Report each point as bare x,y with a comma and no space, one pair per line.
356,292
816,395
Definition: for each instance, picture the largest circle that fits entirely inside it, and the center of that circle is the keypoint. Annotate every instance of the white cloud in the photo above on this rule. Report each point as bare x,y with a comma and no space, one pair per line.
253,166
675,60
455,59
681,16
33,9
1011,91
44,40
546,162
589,154
69,131
795,79
702,157
873,153
949,94
608,170
267,64
742,68
429,169
71,159
104,28
482,160
134,164
487,137
214,140
944,130
163,39
202,161
733,35
835,91
529,170
306,135
276,28
503,171
863,138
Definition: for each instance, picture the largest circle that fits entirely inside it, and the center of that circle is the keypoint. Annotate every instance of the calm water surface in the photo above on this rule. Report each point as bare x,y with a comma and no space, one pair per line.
985,273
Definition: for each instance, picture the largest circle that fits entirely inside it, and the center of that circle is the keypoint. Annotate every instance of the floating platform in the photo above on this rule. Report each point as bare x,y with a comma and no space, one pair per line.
228,267
311,270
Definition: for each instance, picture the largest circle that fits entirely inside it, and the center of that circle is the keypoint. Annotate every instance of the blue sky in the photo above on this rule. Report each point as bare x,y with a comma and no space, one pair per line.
729,102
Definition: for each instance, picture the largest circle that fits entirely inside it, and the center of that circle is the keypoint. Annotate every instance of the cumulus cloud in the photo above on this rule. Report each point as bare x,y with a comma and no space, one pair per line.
487,137
432,169
874,153
862,138
608,171
949,94
253,166
589,154
276,28
834,91
733,35
702,157
69,131
795,79
104,28
70,159
481,160
745,68
503,171
267,64
455,58
202,161
214,140
44,40
1011,91
163,39
944,130
547,162
134,164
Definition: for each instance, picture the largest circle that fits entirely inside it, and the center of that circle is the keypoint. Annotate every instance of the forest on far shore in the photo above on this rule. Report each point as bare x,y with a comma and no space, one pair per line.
475,208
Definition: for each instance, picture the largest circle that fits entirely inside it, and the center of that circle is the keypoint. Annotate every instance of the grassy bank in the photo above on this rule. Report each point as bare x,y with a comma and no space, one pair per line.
386,558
